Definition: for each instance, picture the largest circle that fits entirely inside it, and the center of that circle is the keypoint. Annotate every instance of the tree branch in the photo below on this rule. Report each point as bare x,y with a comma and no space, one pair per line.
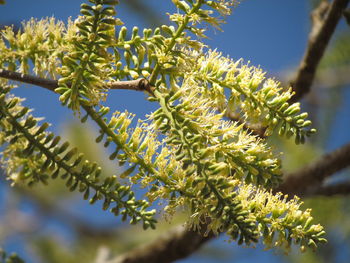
325,19
332,190
175,244
29,79
310,178
347,16
137,85
140,84
50,208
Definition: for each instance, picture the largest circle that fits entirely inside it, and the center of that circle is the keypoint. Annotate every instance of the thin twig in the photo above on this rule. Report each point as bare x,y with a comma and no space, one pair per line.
256,130
29,79
140,84
325,19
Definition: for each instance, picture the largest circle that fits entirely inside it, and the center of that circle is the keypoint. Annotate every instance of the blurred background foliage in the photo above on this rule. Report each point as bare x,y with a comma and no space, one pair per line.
49,224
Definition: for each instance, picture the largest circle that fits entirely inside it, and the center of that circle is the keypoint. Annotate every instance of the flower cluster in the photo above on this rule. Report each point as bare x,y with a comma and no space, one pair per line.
186,154
33,155
40,42
227,167
86,66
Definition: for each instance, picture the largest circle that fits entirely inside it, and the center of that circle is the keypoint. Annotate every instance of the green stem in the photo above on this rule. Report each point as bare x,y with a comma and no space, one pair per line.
262,104
166,109
172,43
130,153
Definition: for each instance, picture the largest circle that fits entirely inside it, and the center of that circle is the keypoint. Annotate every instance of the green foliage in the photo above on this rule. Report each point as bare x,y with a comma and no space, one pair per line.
185,153
32,155
251,96
85,66
41,42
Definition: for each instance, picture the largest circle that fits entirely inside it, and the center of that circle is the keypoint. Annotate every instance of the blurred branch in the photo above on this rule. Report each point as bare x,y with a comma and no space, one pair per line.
324,21
175,244
102,255
50,208
347,15
137,84
331,190
311,176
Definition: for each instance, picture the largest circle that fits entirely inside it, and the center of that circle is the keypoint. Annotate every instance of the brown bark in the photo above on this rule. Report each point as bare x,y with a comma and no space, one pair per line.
309,178
140,84
324,21
176,244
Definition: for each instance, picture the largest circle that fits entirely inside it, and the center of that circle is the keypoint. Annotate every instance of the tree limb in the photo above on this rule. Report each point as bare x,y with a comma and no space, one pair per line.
140,84
325,19
29,79
310,177
347,15
175,244
332,190
52,209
